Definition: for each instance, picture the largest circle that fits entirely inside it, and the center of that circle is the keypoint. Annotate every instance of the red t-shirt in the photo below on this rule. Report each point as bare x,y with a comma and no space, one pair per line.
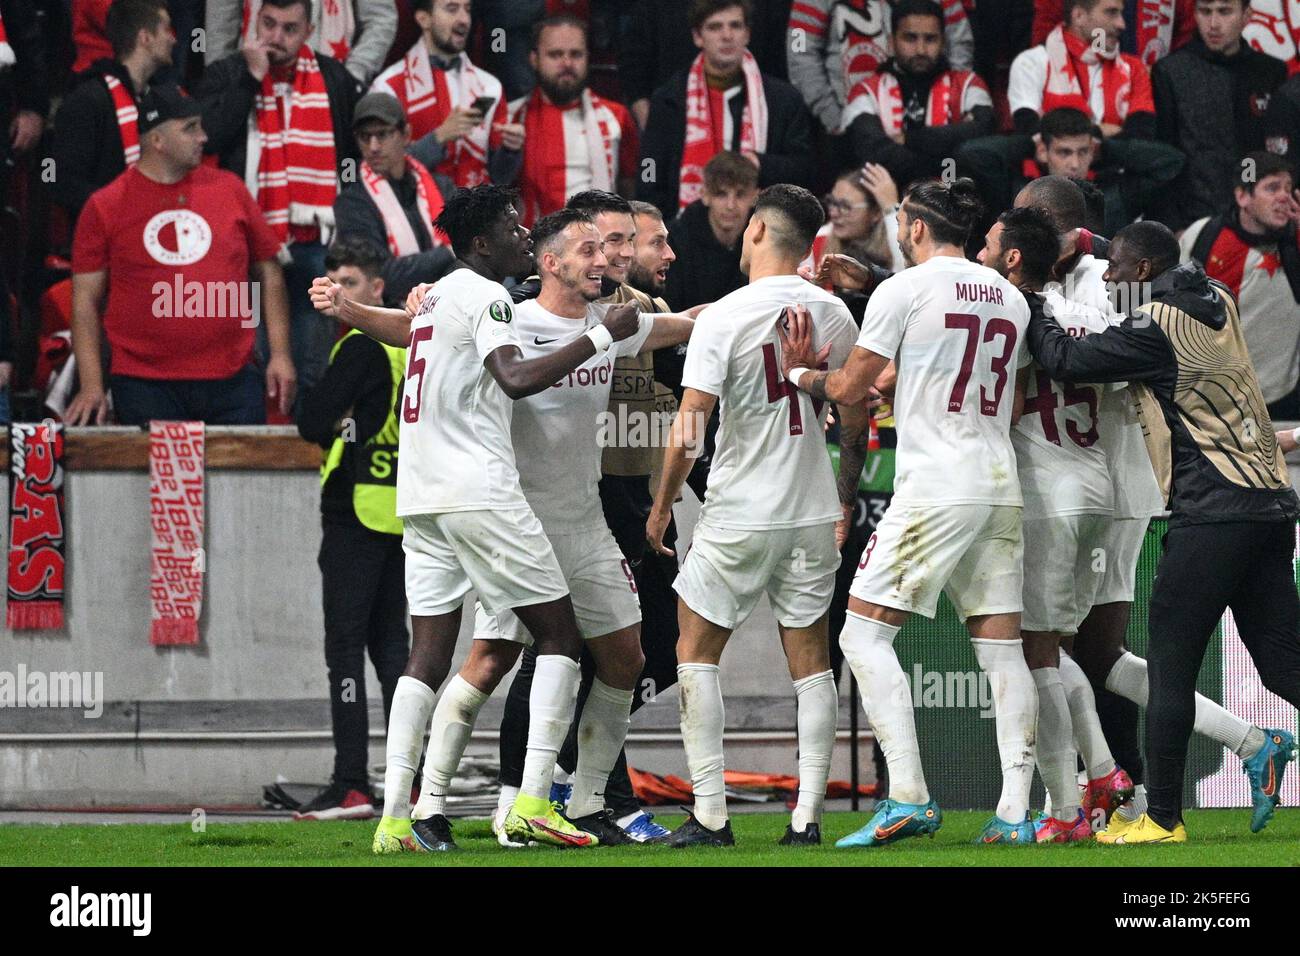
178,258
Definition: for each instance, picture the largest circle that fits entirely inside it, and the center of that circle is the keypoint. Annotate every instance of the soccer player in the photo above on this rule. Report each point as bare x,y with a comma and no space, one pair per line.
769,522
555,436
1119,677
626,466
1065,481
955,331
1233,509
466,520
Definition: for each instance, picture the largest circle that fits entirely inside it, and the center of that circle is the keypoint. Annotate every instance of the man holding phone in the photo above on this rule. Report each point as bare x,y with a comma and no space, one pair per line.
460,104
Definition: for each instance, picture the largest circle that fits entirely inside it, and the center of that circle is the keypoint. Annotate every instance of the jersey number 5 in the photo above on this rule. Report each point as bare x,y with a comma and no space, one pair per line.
970,324
415,370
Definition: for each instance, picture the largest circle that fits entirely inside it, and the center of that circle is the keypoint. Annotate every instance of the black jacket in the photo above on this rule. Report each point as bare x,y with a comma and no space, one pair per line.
355,214
705,269
26,85
87,146
226,95
789,157
358,383
1140,350
1212,107
924,148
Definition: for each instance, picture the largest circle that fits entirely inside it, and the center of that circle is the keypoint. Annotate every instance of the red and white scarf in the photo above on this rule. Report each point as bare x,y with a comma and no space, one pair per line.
1068,59
428,199
697,149
291,167
1155,29
1273,27
36,527
6,51
127,118
429,95
943,108
543,122
177,563
334,20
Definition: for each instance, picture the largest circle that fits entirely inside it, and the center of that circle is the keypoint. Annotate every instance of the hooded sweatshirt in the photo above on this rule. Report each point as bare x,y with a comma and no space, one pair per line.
1203,416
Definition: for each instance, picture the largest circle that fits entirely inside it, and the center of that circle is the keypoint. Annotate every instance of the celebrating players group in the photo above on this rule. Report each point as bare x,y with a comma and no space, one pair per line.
1023,490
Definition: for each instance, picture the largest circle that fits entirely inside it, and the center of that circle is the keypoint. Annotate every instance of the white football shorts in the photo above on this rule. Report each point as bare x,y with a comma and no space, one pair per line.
726,569
971,552
600,583
503,555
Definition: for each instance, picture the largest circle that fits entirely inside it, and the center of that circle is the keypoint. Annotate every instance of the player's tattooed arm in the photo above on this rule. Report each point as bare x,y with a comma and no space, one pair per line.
855,430
390,326
685,444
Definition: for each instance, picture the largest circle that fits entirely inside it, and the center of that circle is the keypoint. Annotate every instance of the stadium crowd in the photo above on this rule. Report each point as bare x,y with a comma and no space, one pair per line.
158,154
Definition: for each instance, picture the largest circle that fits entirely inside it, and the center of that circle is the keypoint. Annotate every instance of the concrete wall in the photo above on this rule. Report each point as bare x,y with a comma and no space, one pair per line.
207,725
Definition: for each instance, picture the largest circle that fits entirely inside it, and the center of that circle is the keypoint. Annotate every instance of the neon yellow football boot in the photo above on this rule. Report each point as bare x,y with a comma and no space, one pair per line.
393,835
1141,830
534,819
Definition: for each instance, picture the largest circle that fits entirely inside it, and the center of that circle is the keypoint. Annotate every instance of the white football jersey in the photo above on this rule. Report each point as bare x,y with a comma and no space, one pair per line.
1133,480
556,432
770,467
956,332
1062,465
455,419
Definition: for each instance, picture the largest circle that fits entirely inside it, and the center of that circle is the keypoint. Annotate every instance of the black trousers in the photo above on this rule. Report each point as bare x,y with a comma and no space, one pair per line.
1205,568
364,590
626,506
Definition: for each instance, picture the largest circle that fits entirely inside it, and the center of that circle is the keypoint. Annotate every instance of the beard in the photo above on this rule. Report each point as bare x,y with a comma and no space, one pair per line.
563,91
643,280
906,248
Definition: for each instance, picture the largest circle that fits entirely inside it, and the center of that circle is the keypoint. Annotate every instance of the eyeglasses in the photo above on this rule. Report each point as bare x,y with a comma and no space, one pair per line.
833,204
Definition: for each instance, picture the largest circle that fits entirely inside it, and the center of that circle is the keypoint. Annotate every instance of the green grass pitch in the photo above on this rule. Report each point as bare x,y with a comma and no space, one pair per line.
1217,838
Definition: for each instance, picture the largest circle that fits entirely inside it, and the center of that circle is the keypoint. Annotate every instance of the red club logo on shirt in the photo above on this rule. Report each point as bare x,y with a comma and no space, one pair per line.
177,237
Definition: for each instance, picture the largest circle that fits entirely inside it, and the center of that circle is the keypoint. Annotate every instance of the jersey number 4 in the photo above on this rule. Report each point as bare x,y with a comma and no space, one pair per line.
778,388
994,328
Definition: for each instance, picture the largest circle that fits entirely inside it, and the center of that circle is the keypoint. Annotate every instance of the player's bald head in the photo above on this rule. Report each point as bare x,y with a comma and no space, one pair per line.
1061,199
792,216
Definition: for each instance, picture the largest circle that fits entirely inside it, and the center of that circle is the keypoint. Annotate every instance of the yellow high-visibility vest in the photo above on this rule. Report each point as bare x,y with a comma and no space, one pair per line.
374,473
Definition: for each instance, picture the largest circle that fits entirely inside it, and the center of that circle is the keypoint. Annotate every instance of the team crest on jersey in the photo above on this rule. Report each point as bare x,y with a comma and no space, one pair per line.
500,311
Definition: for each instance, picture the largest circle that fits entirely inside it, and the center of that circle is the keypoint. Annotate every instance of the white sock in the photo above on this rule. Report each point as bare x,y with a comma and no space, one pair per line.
1053,747
409,715
1128,678
506,798
1088,738
601,732
561,776
819,704
868,646
703,720
1015,707
550,711
453,721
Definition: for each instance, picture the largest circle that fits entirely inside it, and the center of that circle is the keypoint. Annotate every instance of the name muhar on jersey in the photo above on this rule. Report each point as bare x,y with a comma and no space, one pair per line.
977,292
